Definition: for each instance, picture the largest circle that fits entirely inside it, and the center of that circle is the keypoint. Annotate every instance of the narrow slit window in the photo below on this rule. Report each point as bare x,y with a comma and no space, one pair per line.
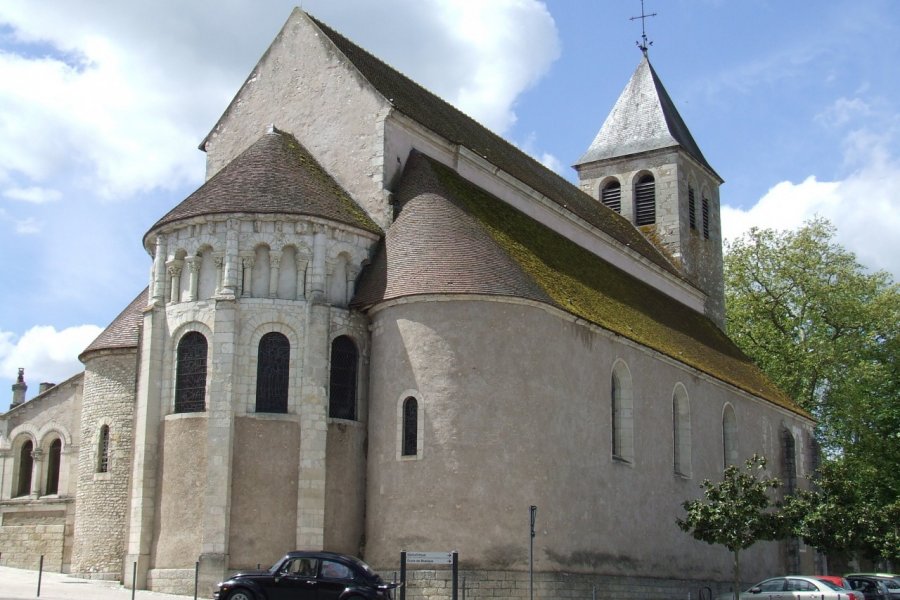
692,209
342,384
410,427
26,464
103,450
705,218
53,458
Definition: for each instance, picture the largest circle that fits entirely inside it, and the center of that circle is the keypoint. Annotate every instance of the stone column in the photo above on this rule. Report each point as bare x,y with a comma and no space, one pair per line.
316,292
6,473
247,283
302,263
37,470
158,276
173,268
232,262
352,273
219,260
193,264
274,268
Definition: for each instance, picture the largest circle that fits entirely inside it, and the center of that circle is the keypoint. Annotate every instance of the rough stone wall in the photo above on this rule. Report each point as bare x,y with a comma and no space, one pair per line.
100,515
23,545
514,585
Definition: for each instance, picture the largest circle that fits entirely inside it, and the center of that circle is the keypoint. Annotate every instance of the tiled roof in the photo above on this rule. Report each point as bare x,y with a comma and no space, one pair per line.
124,331
644,118
274,175
452,237
437,115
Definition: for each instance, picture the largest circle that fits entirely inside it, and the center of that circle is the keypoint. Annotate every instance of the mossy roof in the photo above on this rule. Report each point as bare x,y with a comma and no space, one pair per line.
488,247
276,174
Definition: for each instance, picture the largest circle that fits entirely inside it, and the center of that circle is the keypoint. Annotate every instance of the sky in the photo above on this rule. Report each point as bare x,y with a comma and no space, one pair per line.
102,106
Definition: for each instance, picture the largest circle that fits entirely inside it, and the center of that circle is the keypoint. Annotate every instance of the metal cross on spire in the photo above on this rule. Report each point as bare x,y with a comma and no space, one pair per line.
644,45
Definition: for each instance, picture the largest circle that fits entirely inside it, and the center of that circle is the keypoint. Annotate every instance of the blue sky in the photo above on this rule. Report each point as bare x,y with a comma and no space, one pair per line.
102,106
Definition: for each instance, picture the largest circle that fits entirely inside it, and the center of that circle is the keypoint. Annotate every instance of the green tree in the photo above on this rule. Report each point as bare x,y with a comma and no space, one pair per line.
826,331
737,512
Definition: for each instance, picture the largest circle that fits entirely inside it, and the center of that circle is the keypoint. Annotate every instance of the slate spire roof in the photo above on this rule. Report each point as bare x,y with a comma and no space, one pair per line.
276,174
644,118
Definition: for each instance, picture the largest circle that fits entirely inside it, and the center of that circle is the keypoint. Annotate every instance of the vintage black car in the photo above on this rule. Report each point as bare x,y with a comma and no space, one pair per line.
308,576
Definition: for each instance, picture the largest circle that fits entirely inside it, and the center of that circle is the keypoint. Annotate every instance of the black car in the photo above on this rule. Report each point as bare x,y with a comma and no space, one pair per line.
308,576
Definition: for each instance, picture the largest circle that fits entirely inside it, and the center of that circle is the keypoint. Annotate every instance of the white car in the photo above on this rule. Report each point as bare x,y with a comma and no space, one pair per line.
792,587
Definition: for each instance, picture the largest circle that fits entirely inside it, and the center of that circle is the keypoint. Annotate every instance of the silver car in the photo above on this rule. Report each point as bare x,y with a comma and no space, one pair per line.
792,587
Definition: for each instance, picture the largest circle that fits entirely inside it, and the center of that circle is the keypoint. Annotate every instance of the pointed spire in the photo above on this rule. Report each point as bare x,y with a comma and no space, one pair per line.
643,119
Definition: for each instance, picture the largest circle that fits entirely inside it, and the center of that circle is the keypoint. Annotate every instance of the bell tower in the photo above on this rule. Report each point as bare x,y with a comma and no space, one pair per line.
645,165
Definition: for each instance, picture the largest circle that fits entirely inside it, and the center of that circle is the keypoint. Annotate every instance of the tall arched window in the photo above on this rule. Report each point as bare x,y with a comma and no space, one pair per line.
53,458
26,464
645,201
410,444
788,462
622,425
611,196
729,436
103,450
190,380
272,370
681,430
342,383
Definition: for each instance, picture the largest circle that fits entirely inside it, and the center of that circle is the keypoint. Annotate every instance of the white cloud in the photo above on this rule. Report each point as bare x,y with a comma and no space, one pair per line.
33,194
864,206
45,353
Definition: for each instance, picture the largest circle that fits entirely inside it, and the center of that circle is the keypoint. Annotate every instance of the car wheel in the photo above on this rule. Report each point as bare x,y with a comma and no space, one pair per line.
240,594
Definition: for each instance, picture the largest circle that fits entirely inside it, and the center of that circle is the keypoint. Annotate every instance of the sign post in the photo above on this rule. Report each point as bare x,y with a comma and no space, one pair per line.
429,558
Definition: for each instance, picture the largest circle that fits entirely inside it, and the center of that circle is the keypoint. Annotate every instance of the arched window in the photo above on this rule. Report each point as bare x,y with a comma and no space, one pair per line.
729,436
26,463
645,201
611,196
681,430
103,450
272,370
622,425
53,458
190,380
788,462
342,384
410,443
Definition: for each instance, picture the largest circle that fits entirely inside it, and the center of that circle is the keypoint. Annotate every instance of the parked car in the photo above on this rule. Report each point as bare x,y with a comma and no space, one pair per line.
308,576
842,582
872,588
890,580
793,587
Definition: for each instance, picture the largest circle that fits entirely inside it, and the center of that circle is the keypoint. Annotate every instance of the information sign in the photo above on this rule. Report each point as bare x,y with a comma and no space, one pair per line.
429,558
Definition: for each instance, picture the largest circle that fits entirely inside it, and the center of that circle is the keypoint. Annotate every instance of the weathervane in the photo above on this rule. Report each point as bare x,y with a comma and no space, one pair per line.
644,16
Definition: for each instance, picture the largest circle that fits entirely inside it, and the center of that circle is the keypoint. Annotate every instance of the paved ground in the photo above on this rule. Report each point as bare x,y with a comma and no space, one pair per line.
21,584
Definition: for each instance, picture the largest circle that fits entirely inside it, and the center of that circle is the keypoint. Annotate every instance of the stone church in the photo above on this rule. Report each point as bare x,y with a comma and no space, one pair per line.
378,326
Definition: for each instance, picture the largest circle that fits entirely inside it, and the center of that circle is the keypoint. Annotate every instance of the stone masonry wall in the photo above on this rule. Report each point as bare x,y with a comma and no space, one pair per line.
100,516
513,585
22,546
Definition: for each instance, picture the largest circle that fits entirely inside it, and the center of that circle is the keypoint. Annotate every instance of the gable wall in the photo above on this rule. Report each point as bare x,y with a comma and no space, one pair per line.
305,87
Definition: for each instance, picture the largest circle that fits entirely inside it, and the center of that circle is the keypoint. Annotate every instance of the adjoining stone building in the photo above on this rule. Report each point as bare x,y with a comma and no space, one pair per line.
378,326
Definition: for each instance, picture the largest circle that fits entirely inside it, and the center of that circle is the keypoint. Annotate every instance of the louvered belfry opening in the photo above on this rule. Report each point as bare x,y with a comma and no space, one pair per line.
692,209
190,381
706,218
611,196
645,201
272,371
342,385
